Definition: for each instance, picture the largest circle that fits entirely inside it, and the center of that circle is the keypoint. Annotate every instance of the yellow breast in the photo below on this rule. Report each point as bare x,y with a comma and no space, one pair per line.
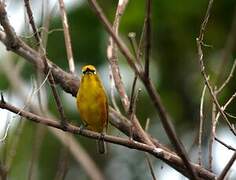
92,103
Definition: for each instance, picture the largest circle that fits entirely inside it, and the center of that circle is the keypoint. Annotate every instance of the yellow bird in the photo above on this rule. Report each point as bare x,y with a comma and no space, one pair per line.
92,103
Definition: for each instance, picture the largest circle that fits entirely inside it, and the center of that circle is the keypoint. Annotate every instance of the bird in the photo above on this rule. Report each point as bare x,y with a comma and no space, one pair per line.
92,104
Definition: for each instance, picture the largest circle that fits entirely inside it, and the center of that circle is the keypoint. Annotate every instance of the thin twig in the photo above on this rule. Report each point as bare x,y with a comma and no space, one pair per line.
199,42
133,107
112,55
132,110
47,67
6,128
227,167
205,21
226,105
135,48
201,127
12,41
147,124
132,39
46,17
212,135
148,36
230,115
141,43
31,21
132,96
230,76
224,144
150,166
67,36
112,87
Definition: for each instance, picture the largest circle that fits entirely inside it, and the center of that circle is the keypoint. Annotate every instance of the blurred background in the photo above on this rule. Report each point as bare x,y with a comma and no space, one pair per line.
35,152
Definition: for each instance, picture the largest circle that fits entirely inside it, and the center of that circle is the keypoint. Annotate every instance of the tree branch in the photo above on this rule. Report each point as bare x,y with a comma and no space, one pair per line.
148,36
67,36
160,153
227,167
224,144
11,39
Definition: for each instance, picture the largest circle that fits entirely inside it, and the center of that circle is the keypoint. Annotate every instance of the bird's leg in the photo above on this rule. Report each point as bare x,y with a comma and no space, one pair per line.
82,127
102,135
101,144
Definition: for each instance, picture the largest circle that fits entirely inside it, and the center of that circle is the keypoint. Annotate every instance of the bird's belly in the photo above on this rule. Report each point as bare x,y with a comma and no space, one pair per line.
93,111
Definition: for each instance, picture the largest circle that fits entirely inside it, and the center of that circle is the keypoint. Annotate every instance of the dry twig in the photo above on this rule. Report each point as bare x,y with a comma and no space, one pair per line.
150,166
212,135
67,36
199,42
227,167
148,36
201,127
224,144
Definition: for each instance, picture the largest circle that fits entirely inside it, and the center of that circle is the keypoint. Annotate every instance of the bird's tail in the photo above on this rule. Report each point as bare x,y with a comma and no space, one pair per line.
101,146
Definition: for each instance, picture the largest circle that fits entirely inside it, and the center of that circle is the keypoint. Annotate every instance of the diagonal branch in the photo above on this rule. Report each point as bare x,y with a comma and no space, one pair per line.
11,40
201,127
148,36
227,167
160,153
224,144
67,36
112,55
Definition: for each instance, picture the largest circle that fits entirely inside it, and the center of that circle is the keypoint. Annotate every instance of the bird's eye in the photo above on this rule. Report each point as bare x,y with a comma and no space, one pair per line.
92,71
